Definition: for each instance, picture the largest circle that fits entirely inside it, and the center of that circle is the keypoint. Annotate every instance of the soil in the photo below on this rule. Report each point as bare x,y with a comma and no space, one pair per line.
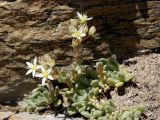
144,88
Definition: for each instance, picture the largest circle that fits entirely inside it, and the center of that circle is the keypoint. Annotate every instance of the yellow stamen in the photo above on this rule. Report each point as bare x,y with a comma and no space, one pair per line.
34,67
45,74
78,34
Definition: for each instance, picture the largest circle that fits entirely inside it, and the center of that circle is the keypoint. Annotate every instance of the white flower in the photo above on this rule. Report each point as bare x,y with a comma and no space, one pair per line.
32,67
45,75
83,18
79,34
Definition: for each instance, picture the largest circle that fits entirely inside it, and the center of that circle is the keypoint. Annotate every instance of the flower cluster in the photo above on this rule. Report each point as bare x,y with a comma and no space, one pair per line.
79,28
80,32
42,70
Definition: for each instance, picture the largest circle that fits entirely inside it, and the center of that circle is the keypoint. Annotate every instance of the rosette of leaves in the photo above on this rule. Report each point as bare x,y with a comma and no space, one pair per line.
39,99
89,85
92,109
104,110
126,114
115,74
82,97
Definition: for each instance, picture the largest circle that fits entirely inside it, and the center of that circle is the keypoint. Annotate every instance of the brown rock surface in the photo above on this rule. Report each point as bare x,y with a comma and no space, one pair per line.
32,28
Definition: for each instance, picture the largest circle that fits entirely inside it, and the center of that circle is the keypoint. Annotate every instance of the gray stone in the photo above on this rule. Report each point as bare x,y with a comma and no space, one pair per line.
27,116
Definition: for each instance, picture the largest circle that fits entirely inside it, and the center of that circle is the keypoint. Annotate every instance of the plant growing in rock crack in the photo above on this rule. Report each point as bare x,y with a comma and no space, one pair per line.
79,88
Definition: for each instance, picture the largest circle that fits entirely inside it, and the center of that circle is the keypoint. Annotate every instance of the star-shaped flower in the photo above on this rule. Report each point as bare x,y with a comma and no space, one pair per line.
45,75
83,18
32,67
79,34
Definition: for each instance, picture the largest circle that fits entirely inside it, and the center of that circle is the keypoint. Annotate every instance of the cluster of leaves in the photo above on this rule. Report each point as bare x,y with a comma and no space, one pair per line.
116,74
88,87
80,89
39,99
105,110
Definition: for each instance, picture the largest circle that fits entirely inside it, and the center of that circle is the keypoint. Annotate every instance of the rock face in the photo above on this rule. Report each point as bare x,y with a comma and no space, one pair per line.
31,28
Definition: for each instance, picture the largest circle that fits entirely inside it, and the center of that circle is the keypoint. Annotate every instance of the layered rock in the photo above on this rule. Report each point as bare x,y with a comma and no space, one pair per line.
32,28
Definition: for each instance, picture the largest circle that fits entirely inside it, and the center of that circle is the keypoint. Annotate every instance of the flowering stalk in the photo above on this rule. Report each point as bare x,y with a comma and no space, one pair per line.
101,71
50,88
77,54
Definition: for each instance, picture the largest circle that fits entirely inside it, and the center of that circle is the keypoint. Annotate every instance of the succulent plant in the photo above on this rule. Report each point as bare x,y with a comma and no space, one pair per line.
89,85
39,99
127,114
116,75
92,109
82,98
79,88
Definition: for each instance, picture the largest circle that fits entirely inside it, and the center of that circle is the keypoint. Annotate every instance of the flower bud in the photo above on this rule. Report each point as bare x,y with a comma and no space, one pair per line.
85,29
92,31
75,43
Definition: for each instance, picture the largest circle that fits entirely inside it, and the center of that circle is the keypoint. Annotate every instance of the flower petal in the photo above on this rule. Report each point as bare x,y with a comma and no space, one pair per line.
33,73
50,77
38,67
49,70
81,27
44,81
35,61
90,18
29,64
39,75
29,71
79,15
43,69
73,35
79,38
83,35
